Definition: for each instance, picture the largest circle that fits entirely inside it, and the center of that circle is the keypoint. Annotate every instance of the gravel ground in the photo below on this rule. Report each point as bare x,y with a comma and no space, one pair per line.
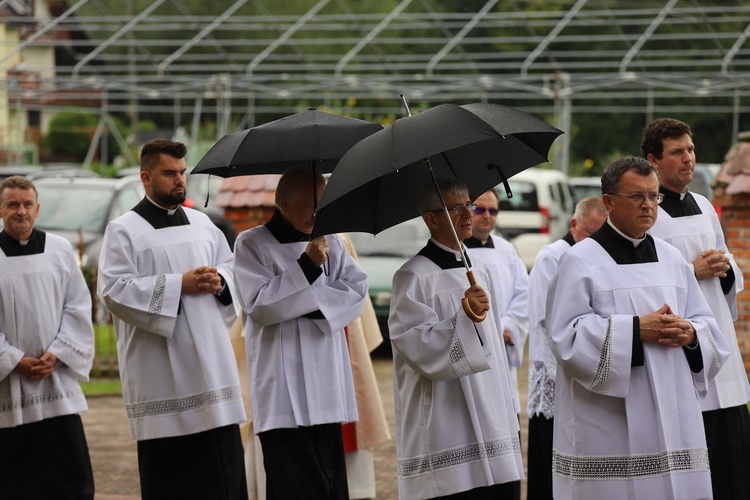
115,463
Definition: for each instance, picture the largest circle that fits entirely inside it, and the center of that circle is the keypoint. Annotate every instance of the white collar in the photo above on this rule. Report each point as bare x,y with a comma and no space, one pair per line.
634,241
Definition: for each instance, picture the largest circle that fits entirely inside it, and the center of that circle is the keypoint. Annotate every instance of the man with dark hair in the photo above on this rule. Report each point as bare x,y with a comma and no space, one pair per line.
588,217
636,346
46,347
456,418
297,295
165,272
688,221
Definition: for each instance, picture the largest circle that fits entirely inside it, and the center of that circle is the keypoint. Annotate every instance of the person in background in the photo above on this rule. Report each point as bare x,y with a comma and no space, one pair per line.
688,221
165,272
589,215
46,348
636,346
456,422
297,294
510,283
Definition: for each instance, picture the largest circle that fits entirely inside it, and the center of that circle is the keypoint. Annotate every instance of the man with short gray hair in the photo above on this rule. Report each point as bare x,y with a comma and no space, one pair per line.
46,348
636,346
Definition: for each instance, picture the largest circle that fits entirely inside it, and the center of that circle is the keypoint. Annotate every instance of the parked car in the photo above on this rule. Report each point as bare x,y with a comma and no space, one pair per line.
382,255
586,186
203,188
79,208
539,211
704,175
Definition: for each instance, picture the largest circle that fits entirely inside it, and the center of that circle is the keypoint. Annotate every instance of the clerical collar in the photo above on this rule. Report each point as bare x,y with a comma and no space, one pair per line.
568,238
442,256
679,204
15,248
634,241
159,217
622,248
170,211
283,232
477,243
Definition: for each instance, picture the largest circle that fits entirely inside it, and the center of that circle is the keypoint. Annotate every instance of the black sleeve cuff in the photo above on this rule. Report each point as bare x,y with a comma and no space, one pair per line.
309,268
727,283
637,357
224,296
694,358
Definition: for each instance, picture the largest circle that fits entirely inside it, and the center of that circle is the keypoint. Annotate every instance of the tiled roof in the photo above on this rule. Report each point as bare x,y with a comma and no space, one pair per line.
248,191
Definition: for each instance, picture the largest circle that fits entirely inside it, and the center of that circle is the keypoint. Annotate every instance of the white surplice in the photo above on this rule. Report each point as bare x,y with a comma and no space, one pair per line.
177,368
510,283
45,306
456,420
299,368
691,235
624,432
542,362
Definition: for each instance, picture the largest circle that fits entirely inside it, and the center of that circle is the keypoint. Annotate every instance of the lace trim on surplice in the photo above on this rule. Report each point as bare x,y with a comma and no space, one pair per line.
629,466
73,393
457,354
157,301
541,392
454,457
601,380
180,405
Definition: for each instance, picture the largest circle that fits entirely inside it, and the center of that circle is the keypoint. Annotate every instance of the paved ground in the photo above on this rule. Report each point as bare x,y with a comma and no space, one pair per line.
115,464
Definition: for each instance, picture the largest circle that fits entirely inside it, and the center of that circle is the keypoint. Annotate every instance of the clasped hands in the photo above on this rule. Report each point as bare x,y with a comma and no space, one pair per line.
666,328
201,280
37,368
711,263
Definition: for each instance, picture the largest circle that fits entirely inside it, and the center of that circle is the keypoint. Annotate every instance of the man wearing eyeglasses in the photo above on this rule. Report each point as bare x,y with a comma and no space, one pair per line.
636,346
510,282
689,222
456,423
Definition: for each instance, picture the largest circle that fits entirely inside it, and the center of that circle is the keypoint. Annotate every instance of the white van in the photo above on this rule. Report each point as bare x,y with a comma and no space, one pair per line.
538,213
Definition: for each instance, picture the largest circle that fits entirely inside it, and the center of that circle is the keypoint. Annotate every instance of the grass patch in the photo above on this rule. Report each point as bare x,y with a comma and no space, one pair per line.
106,341
102,387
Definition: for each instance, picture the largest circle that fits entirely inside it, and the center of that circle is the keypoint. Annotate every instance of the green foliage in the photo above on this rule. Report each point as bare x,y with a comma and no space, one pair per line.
70,134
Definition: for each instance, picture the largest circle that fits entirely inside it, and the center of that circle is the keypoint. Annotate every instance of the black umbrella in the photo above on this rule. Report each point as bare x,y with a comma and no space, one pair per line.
375,184
309,137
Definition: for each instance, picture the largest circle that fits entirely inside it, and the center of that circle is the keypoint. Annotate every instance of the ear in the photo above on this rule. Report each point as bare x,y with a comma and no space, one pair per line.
607,199
145,178
430,220
573,224
653,160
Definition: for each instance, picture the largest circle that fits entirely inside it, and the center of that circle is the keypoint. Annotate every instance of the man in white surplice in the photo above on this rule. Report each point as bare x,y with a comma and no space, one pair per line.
636,343
46,347
456,419
588,217
165,272
689,222
297,295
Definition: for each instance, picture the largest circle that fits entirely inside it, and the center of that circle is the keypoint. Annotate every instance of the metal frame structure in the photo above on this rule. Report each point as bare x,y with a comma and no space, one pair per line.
242,58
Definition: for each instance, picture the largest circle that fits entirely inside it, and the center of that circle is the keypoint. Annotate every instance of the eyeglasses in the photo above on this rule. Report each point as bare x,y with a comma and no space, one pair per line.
459,209
481,210
639,198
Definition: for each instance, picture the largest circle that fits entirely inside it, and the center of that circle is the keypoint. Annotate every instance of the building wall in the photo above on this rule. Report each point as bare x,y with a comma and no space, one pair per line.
8,129
736,217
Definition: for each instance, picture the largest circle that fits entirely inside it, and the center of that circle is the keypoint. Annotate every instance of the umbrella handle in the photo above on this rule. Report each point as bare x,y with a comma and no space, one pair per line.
476,318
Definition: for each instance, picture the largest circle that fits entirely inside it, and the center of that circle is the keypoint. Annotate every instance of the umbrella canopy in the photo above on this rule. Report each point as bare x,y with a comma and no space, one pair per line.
375,184
309,137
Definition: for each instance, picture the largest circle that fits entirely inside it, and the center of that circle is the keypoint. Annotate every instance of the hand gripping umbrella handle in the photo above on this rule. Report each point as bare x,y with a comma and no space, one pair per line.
476,318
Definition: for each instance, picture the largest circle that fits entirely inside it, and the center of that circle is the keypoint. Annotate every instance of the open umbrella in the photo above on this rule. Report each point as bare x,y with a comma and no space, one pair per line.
309,137
375,184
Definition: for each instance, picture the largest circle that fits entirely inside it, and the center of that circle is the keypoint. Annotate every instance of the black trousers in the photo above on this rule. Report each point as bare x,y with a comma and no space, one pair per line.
505,491
46,459
206,465
728,439
539,480
305,462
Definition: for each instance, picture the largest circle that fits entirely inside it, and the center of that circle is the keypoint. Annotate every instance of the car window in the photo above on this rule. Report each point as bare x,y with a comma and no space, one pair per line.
524,197
70,207
128,197
402,240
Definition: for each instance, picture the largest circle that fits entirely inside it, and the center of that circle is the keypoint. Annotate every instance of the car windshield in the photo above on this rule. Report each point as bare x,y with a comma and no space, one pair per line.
402,240
70,207
524,197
